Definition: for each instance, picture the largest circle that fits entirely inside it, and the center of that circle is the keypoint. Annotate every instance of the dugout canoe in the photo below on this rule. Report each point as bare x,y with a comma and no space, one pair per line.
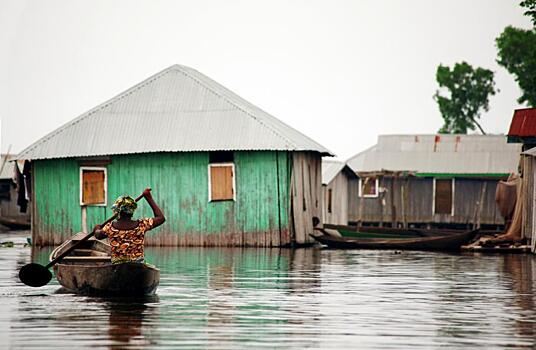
88,270
446,242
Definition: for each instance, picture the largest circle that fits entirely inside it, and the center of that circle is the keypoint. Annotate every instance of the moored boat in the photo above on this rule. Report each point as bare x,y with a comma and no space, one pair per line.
88,270
393,232
452,241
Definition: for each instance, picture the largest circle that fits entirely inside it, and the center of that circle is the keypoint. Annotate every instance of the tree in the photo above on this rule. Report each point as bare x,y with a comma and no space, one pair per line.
517,53
467,95
530,5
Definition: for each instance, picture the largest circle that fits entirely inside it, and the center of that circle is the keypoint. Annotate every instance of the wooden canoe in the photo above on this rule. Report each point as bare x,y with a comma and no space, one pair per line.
88,270
15,223
390,232
445,242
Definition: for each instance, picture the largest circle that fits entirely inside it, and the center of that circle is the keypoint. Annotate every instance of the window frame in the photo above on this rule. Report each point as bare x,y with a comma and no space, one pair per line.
376,186
233,168
453,187
93,168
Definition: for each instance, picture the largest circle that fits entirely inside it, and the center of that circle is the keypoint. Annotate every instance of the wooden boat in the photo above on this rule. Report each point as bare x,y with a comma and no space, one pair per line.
390,232
437,242
88,270
15,222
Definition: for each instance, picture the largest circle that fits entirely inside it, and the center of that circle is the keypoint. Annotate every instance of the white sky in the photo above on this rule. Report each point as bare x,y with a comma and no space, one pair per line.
341,72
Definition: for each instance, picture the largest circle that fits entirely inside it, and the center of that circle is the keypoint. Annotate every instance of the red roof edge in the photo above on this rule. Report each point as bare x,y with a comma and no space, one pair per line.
523,123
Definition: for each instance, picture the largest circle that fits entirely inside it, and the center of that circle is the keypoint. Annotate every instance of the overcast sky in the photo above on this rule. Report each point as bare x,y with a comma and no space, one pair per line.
341,72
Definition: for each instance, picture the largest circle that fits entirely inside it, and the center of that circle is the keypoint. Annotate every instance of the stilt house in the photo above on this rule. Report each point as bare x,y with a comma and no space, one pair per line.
336,177
225,172
431,180
523,131
8,191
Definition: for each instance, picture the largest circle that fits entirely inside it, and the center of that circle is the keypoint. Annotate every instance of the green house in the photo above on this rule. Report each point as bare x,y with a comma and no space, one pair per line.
225,172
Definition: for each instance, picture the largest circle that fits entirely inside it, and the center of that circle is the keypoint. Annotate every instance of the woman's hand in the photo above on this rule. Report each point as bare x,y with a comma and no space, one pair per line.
99,234
147,192
158,215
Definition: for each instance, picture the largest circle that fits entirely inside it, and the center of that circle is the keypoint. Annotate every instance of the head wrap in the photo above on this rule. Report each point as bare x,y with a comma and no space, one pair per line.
124,204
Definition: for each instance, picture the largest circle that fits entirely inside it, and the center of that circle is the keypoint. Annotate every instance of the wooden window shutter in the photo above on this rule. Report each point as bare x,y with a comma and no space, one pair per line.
443,196
221,183
93,192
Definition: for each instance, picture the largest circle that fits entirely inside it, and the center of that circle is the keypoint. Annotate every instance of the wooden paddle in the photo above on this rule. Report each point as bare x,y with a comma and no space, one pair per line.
36,275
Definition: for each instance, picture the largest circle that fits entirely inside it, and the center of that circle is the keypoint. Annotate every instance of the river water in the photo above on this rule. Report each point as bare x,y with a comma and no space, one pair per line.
231,298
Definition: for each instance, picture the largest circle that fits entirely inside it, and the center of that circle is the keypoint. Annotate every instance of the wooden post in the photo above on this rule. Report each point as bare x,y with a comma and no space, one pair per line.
361,201
382,205
404,198
532,202
393,206
480,203
84,219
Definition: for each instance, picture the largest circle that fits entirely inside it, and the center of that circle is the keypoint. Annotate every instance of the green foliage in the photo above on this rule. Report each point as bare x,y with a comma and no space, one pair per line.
517,53
530,5
467,95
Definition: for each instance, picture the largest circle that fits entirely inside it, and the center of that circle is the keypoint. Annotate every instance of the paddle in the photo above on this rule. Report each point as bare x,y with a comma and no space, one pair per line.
36,275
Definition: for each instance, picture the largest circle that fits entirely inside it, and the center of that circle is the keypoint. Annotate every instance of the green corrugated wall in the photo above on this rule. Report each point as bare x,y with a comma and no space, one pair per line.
258,217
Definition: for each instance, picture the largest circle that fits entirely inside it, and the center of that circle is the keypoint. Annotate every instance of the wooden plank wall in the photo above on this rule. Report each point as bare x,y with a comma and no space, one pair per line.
9,207
258,217
339,200
413,202
306,194
529,199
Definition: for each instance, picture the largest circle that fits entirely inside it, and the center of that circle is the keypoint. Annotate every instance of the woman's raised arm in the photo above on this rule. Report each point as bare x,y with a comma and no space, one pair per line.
159,217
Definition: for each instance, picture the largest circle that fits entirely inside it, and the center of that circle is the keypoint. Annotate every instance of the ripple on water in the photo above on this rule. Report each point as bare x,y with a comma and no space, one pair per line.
252,298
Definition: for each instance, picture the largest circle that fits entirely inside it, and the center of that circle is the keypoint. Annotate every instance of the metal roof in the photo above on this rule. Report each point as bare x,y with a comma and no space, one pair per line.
439,154
331,168
176,110
7,171
523,123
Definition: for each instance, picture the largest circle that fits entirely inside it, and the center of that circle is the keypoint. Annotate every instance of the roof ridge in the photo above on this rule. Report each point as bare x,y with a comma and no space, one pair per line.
226,98
96,109
368,149
277,133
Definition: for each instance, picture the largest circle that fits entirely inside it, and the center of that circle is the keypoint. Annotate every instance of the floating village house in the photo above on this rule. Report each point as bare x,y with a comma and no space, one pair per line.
12,205
523,131
336,177
431,181
225,172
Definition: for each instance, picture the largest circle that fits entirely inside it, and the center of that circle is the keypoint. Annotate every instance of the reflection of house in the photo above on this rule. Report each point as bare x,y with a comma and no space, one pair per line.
437,180
335,179
523,130
224,171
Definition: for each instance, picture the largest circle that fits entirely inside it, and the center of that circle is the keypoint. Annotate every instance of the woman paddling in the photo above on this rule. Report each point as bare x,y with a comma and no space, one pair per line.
127,236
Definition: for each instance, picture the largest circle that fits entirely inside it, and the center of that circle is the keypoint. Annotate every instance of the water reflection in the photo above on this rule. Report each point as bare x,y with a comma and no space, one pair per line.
518,271
252,298
237,295
126,326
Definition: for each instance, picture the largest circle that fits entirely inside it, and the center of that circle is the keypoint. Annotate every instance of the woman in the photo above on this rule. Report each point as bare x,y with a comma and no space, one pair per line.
127,236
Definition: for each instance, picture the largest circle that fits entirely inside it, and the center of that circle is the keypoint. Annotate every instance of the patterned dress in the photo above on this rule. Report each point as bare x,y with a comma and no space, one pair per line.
127,245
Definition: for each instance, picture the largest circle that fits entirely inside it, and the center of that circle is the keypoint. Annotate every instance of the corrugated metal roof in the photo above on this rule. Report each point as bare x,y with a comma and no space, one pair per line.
331,168
7,171
176,110
523,123
439,154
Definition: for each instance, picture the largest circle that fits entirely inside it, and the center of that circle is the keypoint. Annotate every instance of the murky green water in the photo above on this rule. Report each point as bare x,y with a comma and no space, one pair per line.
308,298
